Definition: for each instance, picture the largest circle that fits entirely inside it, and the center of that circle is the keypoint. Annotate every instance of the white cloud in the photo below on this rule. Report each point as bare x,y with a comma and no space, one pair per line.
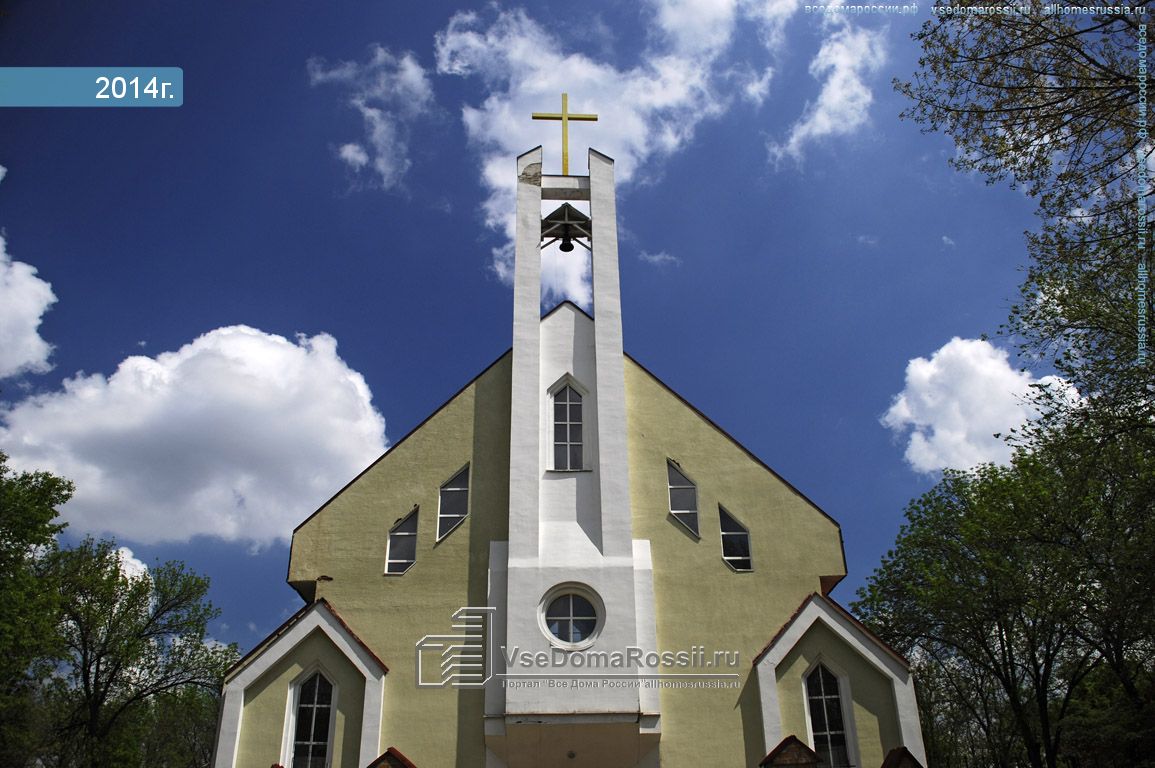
390,92
846,59
660,259
686,73
756,87
24,298
695,26
947,242
870,240
239,434
648,111
130,566
354,156
953,404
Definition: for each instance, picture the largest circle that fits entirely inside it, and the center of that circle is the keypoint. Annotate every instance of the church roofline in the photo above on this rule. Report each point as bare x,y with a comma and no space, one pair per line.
648,372
392,757
271,639
374,463
791,742
602,155
529,151
563,303
407,435
837,608
748,452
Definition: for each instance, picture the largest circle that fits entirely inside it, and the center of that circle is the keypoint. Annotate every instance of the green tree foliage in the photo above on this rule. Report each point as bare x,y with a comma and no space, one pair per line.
1051,102
182,728
100,666
130,638
28,640
1025,593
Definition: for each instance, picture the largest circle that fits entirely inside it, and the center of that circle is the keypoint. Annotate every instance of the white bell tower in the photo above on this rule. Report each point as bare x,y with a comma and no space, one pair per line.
572,583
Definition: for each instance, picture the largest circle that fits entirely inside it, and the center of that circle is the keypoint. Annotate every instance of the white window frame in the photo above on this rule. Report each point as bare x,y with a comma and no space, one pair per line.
293,701
844,699
389,543
568,381
445,487
722,541
696,530
581,590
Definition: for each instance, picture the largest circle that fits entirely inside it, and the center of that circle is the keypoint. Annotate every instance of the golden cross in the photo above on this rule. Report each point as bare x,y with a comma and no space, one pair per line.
565,116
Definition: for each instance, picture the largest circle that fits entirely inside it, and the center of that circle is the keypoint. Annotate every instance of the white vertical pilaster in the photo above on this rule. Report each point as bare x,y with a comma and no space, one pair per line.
613,456
524,431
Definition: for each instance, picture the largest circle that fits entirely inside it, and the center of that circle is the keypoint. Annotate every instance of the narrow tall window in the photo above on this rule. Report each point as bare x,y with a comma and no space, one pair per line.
402,551
735,542
683,499
826,718
454,503
311,739
567,429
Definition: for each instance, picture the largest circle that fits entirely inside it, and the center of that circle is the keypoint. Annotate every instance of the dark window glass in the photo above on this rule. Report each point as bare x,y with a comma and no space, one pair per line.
454,503
401,552
403,548
408,525
567,429
676,477
683,499
311,736
826,718
571,618
735,542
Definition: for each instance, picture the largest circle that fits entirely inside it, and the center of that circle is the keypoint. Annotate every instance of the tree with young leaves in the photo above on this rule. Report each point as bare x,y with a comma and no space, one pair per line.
970,590
1050,102
131,639
28,640
1025,592
1026,595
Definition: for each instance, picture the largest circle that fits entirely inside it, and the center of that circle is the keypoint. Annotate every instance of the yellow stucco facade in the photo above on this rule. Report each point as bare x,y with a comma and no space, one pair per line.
268,699
700,599
568,545
339,554
871,692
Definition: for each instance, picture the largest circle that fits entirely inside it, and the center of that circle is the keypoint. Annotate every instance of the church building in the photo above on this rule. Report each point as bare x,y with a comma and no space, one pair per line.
567,565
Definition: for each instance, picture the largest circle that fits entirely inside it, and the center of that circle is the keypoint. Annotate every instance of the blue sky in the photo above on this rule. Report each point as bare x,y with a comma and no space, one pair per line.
213,316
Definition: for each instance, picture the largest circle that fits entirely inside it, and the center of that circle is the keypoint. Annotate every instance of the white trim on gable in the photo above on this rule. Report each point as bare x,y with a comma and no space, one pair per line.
817,609
318,616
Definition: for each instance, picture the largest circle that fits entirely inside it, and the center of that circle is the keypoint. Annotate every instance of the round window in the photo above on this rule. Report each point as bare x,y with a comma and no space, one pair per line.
571,618
572,615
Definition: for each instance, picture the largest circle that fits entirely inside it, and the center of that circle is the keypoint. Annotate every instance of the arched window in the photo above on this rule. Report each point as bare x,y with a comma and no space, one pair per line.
312,735
826,718
567,429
